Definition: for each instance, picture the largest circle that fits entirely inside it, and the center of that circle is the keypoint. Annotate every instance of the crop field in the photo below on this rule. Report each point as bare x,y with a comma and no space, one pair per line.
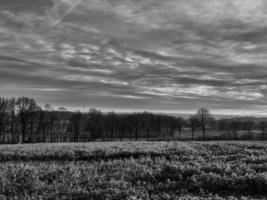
134,170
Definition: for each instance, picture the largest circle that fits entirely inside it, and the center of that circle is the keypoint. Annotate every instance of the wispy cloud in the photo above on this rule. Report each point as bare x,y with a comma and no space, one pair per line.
125,54
62,9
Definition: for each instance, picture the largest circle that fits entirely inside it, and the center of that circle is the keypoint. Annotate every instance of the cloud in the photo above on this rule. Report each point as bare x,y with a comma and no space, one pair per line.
129,54
25,6
62,9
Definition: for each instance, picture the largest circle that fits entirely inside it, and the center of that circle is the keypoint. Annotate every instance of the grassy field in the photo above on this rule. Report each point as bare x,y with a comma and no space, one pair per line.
134,170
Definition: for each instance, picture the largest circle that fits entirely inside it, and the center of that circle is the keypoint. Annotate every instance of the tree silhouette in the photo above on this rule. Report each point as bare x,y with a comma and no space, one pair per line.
193,121
262,125
26,108
204,117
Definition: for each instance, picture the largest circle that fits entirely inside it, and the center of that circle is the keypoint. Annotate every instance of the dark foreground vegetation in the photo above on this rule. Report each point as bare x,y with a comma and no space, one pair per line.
134,170
22,120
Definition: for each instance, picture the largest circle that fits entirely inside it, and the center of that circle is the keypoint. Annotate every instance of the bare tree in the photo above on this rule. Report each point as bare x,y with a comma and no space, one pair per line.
12,106
3,116
248,125
180,124
33,116
204,117
147,119
76,125
41,126
136,123
26,107
110,123
193,121
234,126
94,123
158,125
262,125
62,109
122,126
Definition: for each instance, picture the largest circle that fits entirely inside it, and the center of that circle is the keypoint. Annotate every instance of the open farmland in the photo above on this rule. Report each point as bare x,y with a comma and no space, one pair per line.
134,170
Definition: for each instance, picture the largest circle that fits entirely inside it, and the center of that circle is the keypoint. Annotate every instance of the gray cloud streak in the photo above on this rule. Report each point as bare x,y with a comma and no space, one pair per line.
151,54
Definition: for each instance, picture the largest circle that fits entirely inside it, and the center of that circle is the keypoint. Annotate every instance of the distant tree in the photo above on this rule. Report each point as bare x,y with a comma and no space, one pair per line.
193,122
204,117
48,107
234,126
147,124
94,123
222,125
61,126
129,120
158,125
122,126
262,125
53,115
3,115
12,106
26,107
22,120
110,123
248,125
62,109
76,125
33,115
41,127
50,118
133,125
180,124
171,124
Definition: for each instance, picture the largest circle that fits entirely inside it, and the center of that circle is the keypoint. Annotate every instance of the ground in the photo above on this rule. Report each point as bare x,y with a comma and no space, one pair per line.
134,170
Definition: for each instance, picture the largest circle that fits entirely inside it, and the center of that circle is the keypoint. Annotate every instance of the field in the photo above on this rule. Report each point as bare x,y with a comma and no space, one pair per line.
134,170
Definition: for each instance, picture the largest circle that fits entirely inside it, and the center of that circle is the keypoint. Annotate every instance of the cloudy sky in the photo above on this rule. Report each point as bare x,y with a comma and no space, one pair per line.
131,55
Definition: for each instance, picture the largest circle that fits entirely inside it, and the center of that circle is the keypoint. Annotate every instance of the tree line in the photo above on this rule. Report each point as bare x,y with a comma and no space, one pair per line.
22,120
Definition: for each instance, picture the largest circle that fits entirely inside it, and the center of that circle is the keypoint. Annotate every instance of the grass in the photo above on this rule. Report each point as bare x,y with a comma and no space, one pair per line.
134,170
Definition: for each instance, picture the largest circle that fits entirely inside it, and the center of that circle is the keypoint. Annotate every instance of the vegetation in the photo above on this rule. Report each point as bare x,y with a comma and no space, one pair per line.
22,120
134,170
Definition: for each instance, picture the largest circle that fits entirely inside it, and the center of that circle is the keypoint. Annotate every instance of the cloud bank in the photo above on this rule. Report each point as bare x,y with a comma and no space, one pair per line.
136,55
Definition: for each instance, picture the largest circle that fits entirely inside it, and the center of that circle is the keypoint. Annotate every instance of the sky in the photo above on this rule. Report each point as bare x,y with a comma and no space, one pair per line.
133,55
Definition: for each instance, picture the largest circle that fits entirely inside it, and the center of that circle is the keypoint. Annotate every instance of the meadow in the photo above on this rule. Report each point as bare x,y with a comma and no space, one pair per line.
134,170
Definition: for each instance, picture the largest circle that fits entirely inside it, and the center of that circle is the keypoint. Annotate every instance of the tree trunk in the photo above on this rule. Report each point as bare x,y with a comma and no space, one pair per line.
147,133
31,129
136,134
112,132
204,132
130,135
23,138
122,135
13,126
